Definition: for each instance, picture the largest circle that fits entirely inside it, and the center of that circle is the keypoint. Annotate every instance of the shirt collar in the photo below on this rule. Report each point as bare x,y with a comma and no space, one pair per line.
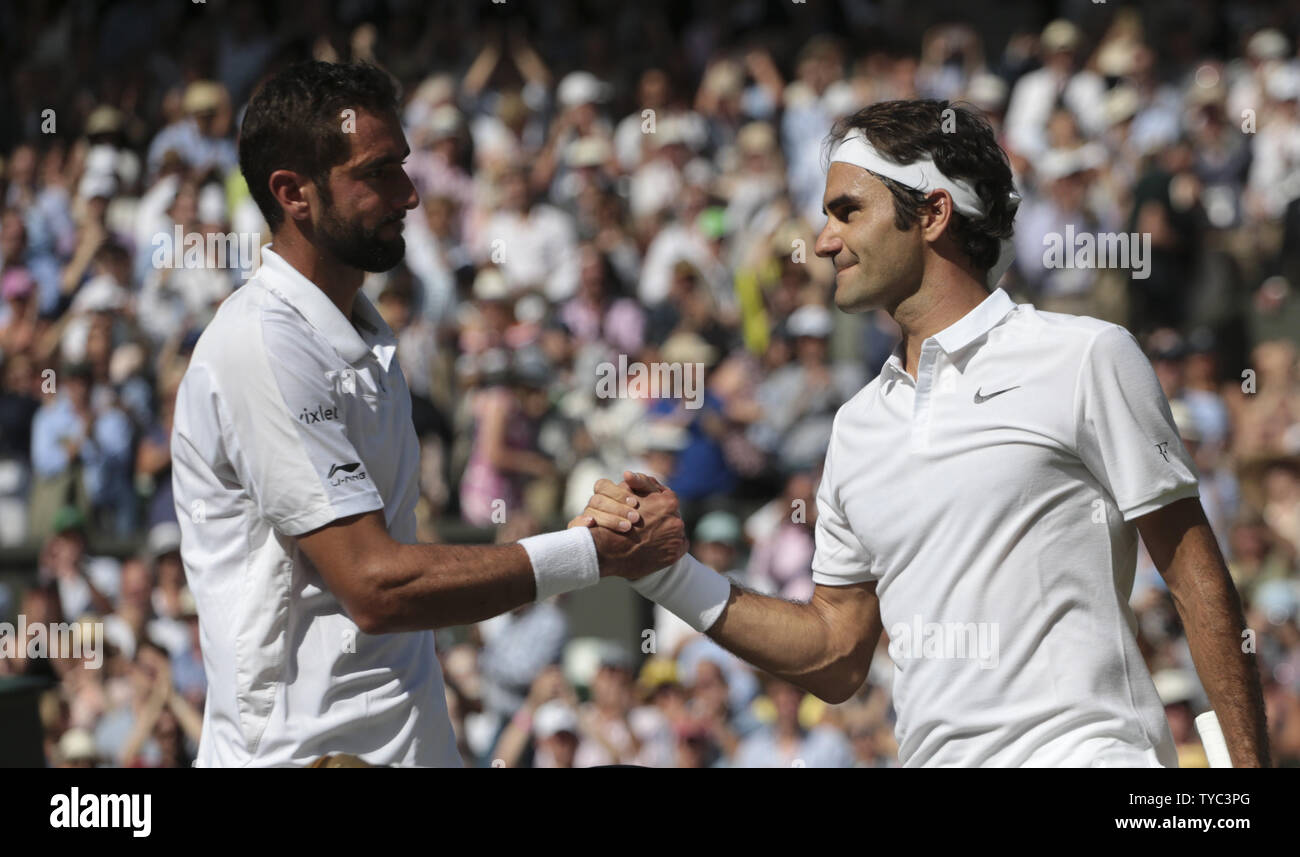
975,323
964,330
284,280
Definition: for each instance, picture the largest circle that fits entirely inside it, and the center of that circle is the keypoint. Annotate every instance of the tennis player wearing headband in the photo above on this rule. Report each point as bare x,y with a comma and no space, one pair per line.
982,498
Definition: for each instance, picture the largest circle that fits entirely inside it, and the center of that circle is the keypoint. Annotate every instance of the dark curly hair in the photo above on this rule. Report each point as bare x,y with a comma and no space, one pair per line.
962,145
294,121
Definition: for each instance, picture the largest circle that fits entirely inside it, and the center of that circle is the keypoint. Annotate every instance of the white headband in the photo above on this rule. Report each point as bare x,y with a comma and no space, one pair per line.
923,176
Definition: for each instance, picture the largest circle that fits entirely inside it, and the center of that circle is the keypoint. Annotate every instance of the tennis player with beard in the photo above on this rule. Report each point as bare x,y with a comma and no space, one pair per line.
295,466
982,498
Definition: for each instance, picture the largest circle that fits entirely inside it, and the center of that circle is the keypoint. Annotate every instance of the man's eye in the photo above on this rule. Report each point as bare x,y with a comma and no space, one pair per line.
380,172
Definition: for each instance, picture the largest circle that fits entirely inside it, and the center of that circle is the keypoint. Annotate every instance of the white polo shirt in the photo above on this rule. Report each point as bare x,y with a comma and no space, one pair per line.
290,417
993,500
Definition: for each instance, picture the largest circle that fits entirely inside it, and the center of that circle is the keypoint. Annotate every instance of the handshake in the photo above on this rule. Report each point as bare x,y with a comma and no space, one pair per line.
638,534
637,526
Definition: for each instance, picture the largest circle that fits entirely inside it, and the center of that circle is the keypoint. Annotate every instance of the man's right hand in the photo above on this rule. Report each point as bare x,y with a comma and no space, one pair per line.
656,540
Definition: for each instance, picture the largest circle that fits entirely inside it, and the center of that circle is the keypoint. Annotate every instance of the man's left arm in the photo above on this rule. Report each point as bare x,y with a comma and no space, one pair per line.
1183,547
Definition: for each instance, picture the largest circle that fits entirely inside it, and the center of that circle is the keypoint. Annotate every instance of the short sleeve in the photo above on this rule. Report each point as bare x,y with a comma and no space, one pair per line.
286,431
1126,435
839,558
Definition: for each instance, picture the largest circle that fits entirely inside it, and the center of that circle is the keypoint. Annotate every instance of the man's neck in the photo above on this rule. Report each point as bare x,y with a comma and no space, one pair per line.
339,282
932,308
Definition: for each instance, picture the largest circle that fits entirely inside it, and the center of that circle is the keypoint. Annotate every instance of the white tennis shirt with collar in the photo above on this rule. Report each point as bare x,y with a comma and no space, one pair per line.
993,501
289,417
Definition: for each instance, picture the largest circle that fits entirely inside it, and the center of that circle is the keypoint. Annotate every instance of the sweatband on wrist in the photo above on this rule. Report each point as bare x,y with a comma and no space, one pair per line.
562,561
688,589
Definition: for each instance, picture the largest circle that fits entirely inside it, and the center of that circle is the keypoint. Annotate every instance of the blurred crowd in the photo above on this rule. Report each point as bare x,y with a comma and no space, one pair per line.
598,181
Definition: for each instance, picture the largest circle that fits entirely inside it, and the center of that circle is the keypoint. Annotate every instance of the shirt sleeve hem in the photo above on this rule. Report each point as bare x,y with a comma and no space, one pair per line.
1172,495
842,579
322,515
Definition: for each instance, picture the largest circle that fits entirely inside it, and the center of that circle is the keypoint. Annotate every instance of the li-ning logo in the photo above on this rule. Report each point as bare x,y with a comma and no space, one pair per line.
345,468
321,413
1163,448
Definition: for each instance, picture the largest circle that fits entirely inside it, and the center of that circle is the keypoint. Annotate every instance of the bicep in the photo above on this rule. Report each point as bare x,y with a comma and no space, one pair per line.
347,553
852,613
1181,525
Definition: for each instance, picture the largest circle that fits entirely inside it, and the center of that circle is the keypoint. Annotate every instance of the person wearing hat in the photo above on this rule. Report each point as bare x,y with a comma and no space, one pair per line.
80,451
587,174
548,708
109,158
201,136
1272,182
85,584
1061,208
610,735
534,243
752,187
995,476
440,166
1036,94
578,97
76,749
295,466
656,184
556,730
799,399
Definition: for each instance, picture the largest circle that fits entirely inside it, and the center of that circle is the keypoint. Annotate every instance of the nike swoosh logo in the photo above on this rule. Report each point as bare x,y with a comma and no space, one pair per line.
979,398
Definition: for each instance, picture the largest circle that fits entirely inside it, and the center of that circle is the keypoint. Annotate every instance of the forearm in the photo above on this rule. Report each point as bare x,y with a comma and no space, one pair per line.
190,720
793,641
142,729
1211,612
435,586
420,586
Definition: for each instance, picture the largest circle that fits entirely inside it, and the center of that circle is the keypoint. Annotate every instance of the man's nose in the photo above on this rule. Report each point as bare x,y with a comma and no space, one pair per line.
828,243
413,195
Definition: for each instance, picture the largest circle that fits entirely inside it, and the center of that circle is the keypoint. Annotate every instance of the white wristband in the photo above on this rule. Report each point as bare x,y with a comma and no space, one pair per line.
562,561
688,589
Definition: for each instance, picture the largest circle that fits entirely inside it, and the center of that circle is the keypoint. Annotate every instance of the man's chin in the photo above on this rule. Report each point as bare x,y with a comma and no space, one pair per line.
393,253
851,300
